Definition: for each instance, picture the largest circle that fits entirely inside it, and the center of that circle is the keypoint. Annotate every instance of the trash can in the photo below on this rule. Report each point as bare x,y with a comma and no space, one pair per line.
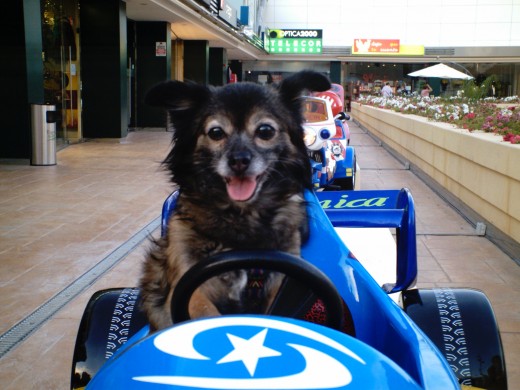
43,127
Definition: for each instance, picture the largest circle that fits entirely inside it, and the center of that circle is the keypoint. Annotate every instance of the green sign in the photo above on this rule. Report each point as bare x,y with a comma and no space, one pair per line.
293,41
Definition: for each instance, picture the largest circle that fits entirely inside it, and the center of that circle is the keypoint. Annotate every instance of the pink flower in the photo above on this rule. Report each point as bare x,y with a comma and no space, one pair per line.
513,138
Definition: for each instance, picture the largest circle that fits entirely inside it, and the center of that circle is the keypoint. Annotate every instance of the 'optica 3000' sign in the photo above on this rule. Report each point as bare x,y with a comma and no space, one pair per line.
293,41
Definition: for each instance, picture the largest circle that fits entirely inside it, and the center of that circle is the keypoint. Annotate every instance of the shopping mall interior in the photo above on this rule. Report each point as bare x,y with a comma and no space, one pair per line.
82,56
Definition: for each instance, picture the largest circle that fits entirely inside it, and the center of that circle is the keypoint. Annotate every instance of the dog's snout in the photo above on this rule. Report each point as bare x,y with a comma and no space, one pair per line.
239,161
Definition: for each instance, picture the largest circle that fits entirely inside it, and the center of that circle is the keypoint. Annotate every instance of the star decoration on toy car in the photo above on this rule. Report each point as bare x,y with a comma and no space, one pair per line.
249,351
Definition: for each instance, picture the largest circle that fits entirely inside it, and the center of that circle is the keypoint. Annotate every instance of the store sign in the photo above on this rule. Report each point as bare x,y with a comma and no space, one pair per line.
411,50
160,49
375,46
292,41
228,13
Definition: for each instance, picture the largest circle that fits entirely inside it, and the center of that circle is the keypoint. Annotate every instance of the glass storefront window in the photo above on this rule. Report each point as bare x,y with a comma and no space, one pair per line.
60,23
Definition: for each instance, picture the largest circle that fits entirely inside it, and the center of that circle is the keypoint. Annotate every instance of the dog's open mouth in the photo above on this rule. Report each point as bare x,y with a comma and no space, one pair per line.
241,188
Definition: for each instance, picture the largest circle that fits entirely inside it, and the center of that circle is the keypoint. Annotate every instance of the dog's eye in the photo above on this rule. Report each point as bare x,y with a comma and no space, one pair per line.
216,133
265,132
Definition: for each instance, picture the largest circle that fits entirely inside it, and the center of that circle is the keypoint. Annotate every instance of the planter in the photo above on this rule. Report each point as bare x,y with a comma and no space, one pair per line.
479,169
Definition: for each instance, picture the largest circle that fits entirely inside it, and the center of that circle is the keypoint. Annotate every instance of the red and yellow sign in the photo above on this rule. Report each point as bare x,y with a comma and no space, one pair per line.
375,46
382,47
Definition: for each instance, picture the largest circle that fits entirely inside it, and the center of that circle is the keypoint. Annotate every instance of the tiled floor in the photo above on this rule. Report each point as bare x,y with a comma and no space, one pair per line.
58,222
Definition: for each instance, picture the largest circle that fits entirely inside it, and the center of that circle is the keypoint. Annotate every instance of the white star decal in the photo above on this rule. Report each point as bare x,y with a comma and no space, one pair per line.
249,351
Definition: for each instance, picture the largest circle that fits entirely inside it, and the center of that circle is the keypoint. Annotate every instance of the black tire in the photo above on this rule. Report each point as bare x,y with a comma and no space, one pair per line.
461,323
347,183
111,317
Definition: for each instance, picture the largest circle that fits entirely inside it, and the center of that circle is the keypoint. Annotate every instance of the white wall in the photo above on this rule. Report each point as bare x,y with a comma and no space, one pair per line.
432,23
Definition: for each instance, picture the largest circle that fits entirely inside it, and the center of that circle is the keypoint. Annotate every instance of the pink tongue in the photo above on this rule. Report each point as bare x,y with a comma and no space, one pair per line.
241,189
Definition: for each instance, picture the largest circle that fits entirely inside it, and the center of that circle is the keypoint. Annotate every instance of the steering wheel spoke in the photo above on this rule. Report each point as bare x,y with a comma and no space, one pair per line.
303,283
293,299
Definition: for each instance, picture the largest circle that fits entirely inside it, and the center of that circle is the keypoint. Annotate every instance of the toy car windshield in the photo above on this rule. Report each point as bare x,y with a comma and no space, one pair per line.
315,110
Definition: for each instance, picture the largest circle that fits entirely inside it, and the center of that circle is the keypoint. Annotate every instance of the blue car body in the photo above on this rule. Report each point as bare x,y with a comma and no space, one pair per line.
389,351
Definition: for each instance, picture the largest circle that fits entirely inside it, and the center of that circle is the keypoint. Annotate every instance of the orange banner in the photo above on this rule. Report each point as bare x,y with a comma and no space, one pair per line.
375,46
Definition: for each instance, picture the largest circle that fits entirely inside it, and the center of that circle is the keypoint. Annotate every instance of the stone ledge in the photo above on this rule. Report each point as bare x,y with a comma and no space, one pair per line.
478,169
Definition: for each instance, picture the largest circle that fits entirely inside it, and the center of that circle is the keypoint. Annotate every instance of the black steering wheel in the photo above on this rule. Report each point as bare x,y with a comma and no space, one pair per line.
303,282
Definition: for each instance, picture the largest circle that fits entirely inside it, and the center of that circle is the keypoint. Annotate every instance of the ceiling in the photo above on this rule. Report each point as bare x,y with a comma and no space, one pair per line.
189,21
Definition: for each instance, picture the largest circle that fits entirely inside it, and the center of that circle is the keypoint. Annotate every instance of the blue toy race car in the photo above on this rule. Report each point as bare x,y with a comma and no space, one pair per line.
332,326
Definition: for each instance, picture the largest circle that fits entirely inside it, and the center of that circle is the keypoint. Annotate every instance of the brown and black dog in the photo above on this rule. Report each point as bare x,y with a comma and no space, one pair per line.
241,166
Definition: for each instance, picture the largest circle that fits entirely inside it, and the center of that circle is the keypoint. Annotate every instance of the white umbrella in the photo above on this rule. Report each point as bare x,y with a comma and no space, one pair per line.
441,71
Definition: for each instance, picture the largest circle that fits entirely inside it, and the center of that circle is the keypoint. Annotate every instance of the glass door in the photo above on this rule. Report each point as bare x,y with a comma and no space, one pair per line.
60,24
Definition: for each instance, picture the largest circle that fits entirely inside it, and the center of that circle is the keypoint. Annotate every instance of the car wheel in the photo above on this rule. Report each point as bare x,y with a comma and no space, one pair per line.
109,320
461,323
346,183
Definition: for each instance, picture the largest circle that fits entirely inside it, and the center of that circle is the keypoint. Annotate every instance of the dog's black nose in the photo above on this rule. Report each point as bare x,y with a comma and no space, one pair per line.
239,161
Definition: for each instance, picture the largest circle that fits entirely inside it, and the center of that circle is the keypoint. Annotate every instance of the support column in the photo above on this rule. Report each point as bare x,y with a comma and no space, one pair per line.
153,65
21,75
104,68
218,65
196,60
335,72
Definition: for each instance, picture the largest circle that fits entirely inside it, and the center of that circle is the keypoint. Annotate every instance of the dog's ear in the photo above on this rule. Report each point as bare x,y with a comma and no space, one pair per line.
292,87
182,101
177,95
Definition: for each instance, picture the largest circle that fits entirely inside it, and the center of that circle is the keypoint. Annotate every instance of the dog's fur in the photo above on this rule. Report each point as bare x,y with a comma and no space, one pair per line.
240,163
